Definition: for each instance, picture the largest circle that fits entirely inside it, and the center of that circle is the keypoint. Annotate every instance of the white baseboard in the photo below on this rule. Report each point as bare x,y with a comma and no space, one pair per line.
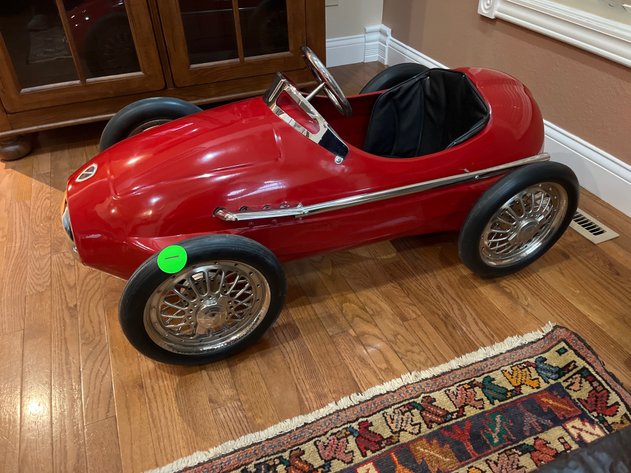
377,41
599,172
399,52
345,50
371,46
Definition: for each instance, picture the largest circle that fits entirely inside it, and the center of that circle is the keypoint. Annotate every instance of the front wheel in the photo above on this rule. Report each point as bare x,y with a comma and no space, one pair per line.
228,292
518,219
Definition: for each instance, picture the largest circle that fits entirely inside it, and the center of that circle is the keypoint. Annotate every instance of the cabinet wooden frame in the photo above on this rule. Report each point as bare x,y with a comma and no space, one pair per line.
5,125
186,74
316,27
17,99
31,121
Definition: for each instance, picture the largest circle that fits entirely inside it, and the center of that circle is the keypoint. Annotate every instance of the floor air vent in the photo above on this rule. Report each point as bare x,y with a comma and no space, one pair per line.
591,228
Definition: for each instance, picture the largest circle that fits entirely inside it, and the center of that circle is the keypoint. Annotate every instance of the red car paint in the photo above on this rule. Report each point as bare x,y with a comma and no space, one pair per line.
162,186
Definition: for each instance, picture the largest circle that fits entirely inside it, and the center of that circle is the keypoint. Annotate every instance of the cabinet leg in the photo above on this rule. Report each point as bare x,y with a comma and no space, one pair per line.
15,148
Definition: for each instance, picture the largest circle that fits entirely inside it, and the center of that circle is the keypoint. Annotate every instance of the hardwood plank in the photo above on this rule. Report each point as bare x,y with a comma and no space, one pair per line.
357,360
368,283
132,413
175,415
38,269
69,452
453,292
101,441
338,380
431,322
199,393
603,298
36,447
16,251
41,164
96,375
21,172
253,393
280,383
5,199
303,367
384,254
319,297
215,381
10,392
358,316
233,421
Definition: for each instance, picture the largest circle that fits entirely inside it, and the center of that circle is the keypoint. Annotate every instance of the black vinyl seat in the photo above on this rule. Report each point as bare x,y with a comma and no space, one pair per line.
430,112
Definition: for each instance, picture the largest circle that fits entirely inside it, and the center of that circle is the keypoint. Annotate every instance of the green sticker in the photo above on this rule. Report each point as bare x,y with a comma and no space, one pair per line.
172,259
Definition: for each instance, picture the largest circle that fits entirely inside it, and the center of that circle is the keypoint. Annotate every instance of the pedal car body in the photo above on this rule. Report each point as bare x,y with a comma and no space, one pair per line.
290,173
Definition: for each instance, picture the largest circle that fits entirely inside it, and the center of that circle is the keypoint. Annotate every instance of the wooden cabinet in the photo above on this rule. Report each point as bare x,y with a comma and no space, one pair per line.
71,61
236,38
87,52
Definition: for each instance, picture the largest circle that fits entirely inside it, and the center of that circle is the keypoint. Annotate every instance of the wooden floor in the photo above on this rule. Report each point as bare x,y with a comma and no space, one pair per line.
75,396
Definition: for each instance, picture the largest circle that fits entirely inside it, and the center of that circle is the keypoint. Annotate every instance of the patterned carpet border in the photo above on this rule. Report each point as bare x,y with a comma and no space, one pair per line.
299,430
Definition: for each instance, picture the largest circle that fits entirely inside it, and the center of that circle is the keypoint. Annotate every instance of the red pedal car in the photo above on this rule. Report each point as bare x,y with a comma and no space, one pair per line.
198,208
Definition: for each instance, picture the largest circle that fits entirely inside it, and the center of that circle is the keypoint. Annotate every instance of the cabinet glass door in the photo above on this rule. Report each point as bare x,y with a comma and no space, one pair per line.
225,39
61,50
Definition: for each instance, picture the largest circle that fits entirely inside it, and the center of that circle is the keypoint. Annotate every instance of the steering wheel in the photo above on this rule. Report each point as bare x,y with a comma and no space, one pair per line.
326,81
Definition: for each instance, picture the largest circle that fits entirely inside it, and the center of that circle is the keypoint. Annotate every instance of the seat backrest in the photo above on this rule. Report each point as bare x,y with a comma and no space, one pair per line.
428,113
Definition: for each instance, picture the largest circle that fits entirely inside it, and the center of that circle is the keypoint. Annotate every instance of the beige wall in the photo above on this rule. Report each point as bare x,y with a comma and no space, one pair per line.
350,17
581,92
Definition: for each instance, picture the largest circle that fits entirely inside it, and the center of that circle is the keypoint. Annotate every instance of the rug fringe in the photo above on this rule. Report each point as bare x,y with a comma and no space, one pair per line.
349,401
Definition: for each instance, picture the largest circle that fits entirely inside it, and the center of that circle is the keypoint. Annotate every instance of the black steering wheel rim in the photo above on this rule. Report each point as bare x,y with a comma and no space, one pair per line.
323,76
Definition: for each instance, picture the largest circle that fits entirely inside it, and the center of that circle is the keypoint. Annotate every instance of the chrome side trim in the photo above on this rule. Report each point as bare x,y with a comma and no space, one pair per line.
345,202
325,137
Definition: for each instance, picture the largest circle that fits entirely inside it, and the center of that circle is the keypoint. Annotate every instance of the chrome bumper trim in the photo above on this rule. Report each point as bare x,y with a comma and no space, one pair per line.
65,222
345,202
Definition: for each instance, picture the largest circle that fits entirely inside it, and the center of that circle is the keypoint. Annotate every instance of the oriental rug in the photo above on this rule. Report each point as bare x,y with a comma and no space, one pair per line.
508,408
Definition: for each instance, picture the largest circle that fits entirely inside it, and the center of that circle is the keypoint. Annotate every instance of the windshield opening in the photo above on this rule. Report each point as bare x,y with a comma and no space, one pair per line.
291,106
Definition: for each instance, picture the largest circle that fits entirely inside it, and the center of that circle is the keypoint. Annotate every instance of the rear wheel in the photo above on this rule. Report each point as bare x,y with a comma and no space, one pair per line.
518,219
230,290
143,114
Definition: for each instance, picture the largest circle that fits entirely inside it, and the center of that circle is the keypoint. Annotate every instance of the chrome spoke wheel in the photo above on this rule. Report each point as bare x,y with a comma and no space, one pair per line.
207,307
523,224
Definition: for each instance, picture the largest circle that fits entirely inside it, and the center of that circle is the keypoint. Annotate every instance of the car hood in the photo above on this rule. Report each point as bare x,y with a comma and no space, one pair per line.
208,145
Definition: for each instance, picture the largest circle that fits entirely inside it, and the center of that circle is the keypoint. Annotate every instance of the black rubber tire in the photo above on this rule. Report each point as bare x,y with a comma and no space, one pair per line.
142,111
148,277
498,194
392,76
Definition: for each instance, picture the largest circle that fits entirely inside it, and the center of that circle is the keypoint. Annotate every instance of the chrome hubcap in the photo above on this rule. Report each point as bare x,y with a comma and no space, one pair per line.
525,223
207,307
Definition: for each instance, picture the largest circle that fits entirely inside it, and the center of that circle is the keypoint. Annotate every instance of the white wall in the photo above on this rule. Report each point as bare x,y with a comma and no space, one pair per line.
350,17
